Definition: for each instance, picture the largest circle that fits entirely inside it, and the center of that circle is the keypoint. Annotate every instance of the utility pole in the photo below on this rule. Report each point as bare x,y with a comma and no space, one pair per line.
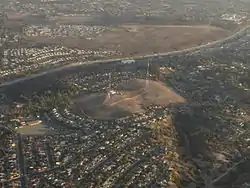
147,76
110,85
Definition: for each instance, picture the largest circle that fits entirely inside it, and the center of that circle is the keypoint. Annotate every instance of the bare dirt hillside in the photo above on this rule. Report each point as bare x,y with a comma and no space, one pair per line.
132,97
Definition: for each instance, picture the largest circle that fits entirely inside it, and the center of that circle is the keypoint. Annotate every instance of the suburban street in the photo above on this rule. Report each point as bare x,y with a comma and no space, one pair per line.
121,93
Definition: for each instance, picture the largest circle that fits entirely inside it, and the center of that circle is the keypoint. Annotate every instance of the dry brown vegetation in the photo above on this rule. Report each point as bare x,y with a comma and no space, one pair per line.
78,19
136,95
140,39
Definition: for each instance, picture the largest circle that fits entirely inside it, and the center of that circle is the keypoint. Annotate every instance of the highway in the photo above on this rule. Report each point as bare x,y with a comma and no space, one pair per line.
196,48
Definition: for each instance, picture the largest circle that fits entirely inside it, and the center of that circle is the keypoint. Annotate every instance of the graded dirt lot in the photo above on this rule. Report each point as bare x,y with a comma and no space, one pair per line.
38,130
140,39
132,97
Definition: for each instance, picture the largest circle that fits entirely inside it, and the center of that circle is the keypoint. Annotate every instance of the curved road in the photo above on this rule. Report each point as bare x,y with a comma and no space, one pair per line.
238,33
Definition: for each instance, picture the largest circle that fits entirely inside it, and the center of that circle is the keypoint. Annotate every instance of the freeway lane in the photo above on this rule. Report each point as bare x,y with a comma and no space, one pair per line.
209,45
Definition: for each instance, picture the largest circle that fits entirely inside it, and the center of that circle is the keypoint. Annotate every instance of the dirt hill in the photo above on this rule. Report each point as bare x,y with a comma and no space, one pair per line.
131,96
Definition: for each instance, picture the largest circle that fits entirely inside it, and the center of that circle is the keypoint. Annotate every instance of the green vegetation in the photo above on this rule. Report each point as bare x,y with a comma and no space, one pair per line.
45,101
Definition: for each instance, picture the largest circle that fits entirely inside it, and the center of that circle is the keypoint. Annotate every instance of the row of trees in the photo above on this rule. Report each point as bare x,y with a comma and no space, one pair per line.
164,132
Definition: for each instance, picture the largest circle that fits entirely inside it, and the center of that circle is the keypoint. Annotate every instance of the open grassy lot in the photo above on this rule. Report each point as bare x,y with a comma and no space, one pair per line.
140,39
38,130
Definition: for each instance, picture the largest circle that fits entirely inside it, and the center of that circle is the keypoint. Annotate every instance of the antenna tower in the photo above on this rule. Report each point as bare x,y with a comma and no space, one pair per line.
109,92
147,77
